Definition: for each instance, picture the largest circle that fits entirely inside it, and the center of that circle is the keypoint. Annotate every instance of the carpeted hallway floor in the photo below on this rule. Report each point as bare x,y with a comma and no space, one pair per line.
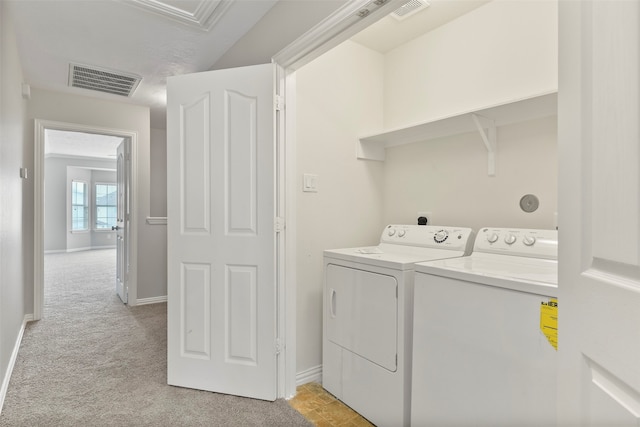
92,361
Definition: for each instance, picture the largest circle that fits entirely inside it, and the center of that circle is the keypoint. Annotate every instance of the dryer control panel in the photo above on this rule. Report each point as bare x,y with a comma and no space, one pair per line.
525,242
428,236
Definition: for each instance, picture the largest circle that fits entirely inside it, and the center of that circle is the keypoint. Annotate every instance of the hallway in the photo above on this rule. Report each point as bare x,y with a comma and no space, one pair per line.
92,360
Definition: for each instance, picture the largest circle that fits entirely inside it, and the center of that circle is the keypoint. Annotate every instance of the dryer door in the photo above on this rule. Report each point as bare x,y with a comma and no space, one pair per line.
362,313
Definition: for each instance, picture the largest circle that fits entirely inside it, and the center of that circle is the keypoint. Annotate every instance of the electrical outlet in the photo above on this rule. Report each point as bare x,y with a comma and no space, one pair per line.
428,215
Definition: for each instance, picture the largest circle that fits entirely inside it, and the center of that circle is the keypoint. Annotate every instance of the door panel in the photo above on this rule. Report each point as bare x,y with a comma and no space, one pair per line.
221,237
599,213
195,200
122,220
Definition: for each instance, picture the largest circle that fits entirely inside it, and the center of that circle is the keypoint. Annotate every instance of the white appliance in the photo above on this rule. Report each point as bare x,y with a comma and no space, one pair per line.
368,301
485,333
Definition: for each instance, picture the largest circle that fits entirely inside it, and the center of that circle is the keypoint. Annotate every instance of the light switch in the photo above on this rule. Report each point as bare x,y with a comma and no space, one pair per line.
310,183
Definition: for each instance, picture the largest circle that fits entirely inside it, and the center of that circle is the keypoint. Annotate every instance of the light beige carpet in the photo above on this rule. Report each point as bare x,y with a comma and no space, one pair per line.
93,361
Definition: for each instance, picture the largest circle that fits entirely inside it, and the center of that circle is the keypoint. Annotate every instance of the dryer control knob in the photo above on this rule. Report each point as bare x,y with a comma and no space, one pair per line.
493,237
529,240
510,239
391,232
401,233
441,236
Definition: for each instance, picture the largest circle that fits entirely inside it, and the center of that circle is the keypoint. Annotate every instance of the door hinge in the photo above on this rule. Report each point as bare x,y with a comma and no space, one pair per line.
278,346
278,224
279,103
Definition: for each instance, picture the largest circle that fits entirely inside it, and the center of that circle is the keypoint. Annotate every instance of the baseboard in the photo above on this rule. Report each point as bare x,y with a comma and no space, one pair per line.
152,300
55,251
12,360
90,248
310,375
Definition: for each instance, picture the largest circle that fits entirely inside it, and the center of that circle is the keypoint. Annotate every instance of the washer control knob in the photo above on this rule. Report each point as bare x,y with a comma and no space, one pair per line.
510,239
529,240
493,237
391,232
401,233
441,236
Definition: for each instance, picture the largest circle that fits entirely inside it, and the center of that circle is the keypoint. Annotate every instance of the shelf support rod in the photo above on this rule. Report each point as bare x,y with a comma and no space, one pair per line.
489,138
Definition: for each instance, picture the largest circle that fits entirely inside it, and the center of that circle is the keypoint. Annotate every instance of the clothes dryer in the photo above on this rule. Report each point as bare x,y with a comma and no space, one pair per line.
485,333
367,327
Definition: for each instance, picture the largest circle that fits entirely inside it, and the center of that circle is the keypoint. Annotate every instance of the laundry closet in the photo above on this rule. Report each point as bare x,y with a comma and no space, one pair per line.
496,62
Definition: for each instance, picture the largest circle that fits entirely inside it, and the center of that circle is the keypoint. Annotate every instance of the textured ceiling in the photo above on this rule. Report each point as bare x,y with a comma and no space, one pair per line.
135,37
156,39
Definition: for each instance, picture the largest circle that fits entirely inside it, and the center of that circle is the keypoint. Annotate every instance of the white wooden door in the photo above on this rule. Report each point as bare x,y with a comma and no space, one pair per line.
599,213
221,242
122,223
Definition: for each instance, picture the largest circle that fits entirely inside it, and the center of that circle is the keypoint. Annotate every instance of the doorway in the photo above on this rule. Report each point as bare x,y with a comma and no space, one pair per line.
82,220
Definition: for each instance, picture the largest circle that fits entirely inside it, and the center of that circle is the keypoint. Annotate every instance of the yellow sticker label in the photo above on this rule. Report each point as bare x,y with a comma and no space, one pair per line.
549,321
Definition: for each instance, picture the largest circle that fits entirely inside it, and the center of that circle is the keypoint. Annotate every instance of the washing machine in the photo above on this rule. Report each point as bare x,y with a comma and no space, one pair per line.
367,326
485,333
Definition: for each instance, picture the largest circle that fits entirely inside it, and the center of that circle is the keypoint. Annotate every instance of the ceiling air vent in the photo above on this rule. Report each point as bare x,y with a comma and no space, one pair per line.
409,8
102,80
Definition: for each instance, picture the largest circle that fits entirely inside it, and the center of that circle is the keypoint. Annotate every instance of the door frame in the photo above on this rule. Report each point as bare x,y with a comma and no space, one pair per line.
333,30
38,214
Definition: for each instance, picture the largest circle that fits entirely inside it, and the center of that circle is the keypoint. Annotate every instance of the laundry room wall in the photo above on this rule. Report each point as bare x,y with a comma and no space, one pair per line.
339,96
448,177
69,108
500,52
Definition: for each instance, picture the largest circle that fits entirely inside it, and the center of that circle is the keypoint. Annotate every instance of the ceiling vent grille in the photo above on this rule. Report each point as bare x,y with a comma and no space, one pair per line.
410,8
102,80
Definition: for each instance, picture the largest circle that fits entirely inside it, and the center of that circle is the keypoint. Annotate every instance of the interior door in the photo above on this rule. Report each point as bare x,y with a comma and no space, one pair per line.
599,213
122,226
221,241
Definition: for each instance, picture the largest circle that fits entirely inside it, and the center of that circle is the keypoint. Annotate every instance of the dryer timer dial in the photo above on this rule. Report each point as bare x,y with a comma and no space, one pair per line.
441,236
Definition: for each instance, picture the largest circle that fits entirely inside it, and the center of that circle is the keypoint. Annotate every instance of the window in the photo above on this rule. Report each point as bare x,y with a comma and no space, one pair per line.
106,206
79,206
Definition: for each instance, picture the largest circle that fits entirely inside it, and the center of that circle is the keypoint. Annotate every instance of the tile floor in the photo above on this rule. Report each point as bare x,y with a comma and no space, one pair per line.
323,410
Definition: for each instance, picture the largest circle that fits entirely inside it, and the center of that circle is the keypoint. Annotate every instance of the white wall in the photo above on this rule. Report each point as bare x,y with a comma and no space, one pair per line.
501,51
448,177
158,170
54,106
14,199
339,95
504,50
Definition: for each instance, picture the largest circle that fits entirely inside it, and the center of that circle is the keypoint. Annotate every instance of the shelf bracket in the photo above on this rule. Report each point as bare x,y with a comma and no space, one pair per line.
487,129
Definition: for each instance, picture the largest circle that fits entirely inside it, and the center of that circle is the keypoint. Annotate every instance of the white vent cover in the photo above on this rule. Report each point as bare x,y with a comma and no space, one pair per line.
102,80
409,8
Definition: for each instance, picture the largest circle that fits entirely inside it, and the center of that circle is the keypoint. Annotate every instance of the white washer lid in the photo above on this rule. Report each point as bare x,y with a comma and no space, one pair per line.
535,275
396,257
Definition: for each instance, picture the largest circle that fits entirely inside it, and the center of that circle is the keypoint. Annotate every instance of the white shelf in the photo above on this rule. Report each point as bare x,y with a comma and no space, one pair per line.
373,147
